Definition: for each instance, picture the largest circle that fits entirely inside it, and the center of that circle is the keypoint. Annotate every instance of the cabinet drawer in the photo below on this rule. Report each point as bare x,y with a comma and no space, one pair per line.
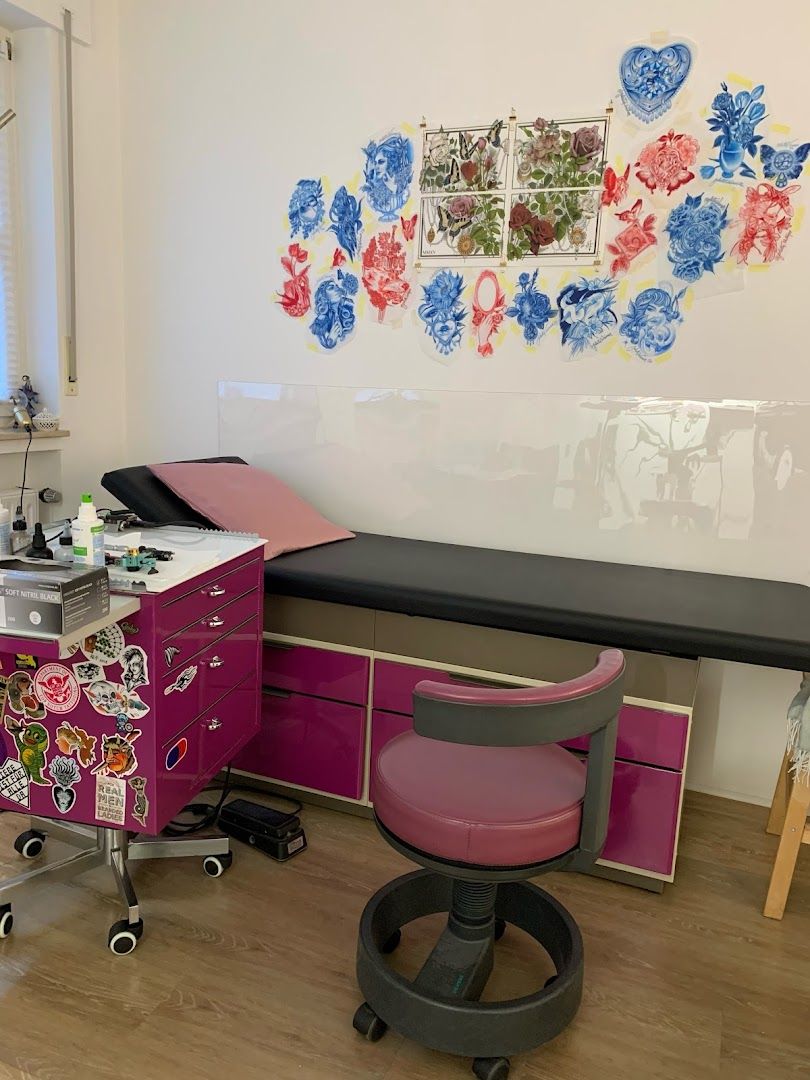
189,760
185,692
384,727
643,822
320,672
177,649
394,684
210,593
648,736
310,742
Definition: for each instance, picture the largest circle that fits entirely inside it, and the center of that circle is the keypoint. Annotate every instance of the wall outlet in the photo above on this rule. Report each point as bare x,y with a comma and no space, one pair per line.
71,388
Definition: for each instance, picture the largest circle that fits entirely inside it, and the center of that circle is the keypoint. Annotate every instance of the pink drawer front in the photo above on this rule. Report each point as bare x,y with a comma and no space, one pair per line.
643,817
176,650
188,690
206,745
310,742
648,736
394,684
319,672
213,591
384,727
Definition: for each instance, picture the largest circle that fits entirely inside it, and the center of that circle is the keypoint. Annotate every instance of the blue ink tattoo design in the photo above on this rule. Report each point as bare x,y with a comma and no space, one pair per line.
651,321
650,78
586,312
388,172
694,230
531,308
442,311
334,309
783,163
344,213
306,208
735,117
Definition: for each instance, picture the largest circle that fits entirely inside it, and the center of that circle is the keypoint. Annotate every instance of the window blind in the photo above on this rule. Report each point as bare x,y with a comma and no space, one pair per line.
10,344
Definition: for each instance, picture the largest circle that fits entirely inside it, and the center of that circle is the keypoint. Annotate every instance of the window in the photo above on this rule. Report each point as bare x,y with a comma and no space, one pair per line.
10,349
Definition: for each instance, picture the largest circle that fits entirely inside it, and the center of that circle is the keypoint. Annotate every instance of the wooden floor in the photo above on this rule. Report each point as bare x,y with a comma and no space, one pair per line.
252,975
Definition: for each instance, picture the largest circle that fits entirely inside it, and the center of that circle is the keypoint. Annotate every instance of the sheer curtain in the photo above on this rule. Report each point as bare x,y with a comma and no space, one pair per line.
10,345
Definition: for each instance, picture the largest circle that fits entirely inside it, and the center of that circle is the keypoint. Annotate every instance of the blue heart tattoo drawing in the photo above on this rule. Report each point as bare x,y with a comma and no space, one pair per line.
650,78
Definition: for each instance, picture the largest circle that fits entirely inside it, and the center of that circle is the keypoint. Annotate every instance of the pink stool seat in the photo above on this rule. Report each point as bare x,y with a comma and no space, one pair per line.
483,805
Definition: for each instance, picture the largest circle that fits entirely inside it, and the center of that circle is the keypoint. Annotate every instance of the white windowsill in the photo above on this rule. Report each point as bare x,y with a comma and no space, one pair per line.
15,442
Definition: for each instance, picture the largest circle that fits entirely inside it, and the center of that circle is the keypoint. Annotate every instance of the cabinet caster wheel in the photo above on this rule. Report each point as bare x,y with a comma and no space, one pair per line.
370,1026
500,928
392,943
30,844
491,1068
6,921
124,936
216,865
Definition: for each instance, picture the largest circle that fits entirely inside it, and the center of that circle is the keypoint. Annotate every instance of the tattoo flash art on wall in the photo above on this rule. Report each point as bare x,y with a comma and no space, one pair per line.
488,309
734,118
442,313
384,276
651,321
306,208
666,164
637,235
344,213
650,78
295,298
335,317
388,172
764,222
615,187
694,228
531,308
586,313
783,163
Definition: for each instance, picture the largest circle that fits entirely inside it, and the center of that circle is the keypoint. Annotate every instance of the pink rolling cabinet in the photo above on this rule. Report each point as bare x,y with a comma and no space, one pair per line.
113,732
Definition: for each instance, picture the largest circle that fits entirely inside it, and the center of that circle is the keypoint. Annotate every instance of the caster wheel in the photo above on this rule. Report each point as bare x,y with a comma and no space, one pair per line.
6,921
549,982
491,1068
370,1026
500,928
216,865
30,844
392,943
124,936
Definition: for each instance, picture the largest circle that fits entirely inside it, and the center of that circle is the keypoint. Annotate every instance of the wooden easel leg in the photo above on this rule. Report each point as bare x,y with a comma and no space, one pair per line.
779,805
785,863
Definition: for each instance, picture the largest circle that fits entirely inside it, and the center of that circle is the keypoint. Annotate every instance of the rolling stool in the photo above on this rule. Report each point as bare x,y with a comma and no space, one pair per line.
480,797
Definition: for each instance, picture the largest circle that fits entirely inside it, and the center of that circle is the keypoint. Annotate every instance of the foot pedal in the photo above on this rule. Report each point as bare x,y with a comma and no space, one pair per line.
277,834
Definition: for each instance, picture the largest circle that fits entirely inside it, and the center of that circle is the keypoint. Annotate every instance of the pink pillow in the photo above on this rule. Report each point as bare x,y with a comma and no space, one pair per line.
244,499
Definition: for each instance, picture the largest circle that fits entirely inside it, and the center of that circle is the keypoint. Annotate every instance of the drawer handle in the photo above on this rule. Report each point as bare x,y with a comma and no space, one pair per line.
217,590
215,623
214,724
215,662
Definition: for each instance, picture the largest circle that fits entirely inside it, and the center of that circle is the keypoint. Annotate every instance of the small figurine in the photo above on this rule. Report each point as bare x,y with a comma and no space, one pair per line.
27,397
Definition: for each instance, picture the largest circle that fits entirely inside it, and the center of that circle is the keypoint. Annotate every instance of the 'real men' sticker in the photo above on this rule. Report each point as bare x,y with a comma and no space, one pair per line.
14,782
65,773
176,754
111,799
140,807
134,667
183,680
57,688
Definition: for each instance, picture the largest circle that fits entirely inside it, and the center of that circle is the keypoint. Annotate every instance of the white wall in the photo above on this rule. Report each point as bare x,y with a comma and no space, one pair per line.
225,106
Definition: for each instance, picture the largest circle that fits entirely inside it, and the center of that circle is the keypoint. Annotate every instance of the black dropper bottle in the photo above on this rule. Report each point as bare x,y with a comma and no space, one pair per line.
39,548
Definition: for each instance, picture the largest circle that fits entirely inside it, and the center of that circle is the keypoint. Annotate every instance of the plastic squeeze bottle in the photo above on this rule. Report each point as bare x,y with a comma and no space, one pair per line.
88,534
